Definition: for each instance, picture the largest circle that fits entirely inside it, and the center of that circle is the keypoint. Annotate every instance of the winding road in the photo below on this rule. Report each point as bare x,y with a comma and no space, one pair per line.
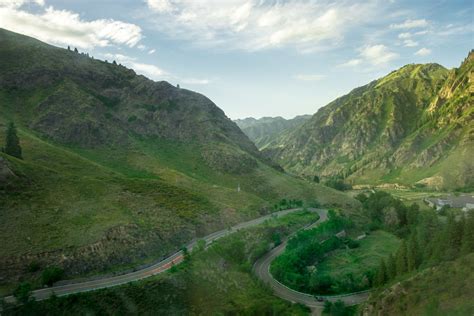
159,267
262,270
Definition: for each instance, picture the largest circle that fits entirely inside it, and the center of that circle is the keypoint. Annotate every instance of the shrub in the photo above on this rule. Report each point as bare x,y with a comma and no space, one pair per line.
51,275
23,293
34,266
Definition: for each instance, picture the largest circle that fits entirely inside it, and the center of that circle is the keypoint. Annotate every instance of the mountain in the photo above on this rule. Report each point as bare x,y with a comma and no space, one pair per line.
264,131
413,126
118,169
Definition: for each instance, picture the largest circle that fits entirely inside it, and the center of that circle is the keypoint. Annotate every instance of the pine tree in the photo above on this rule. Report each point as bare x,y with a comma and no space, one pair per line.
76,51
413,254
454,234
381,277
391,267
12,143
402,259
467,241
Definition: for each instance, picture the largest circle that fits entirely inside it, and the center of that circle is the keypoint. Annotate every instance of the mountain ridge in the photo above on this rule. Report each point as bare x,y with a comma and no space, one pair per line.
377,133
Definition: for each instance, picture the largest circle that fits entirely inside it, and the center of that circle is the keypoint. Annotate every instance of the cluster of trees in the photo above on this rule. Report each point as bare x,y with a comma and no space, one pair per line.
338,184
386,212
428,244
306,249
285,204
12,142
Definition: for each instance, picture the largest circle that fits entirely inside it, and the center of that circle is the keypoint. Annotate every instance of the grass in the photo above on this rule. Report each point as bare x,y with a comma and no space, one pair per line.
216,281
339,264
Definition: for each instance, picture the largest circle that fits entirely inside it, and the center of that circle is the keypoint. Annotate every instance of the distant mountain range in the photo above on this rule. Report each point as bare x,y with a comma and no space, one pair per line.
117,168
414,126
264,131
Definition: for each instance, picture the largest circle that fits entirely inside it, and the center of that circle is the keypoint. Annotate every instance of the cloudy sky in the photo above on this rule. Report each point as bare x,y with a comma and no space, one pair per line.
255,57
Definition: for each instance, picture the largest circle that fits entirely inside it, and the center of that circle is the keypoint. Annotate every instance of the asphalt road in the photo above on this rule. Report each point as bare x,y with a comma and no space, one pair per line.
262,270
154,269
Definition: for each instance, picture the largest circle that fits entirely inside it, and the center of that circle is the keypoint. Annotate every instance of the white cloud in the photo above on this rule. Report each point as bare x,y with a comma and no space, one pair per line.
410,43
260,24
62,27
141,47
160,5
308,77
410,24
404,35
19,3
148,70
423,52
352,63
377,54
151,51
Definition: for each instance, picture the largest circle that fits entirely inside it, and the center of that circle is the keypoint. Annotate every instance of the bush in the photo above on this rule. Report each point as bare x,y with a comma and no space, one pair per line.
23,293
51,275
34,266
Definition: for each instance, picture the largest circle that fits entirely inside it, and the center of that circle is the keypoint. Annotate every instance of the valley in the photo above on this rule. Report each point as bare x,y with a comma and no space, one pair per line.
124,192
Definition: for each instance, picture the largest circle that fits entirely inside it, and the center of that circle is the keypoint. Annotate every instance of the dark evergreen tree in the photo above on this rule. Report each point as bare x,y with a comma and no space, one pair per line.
391,267
413,254
75,50
381,276
68,47
454,236
402,259
12,143
316,179
467,242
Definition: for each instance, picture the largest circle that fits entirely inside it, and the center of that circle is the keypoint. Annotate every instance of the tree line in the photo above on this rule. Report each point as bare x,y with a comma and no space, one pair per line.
430,243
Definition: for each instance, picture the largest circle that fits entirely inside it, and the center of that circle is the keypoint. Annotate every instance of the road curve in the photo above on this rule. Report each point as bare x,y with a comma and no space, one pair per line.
262,270
154,269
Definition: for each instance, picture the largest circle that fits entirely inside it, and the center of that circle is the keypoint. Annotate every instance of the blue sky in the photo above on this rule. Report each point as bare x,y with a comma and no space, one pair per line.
255,57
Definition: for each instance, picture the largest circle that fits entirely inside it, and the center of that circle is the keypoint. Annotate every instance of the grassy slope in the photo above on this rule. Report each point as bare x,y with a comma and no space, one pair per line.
379,244
216,281
120,202
447,289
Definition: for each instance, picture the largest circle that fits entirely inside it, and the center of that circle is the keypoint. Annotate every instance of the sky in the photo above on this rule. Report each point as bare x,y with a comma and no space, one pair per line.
255,58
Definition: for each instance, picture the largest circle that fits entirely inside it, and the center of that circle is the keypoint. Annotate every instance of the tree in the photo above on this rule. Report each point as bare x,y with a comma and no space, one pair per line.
75,50
316,179
51,275
402,259
391,267
381,277
467,242
413,254
23,293
12,143
454,236
68,47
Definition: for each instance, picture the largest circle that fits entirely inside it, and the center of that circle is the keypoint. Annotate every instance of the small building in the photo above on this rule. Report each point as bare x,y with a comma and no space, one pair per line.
464,202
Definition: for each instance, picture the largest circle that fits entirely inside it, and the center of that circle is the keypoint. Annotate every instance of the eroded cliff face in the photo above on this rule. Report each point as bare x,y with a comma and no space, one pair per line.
401,128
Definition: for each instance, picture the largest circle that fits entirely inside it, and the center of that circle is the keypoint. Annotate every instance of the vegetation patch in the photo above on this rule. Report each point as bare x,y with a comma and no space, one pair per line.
211,281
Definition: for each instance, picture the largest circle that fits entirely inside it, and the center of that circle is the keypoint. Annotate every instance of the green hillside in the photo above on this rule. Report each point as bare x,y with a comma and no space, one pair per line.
442,290
118,169
265,131
413,125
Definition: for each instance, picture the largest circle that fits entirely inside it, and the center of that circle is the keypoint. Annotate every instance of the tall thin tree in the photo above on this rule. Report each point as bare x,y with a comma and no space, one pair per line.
12,142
